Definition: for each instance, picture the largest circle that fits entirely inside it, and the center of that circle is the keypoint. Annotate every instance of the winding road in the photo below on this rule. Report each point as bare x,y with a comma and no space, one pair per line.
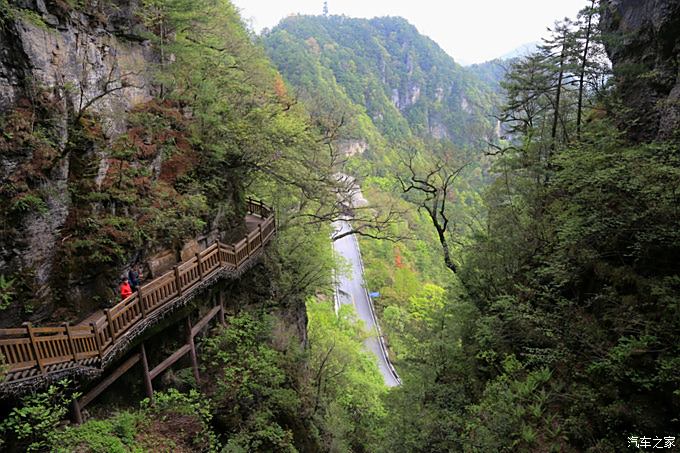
351,290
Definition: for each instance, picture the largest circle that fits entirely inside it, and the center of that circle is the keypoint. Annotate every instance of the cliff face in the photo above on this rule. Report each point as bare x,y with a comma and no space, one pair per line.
82,53
57,65
644,46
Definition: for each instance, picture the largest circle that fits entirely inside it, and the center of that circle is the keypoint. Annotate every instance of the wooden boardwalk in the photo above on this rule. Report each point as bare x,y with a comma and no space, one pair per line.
252,223
39,353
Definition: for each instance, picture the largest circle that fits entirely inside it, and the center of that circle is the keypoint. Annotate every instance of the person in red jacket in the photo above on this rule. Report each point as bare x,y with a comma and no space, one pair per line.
125,290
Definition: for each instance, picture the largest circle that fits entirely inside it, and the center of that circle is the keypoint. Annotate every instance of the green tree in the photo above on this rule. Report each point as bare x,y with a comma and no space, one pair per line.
346,385
33,425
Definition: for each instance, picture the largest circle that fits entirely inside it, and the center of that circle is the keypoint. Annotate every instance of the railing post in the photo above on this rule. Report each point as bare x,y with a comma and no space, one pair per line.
97,341
71,344
178,282
200,269
259,227
109,321
219,252
140,297
192,351
34,347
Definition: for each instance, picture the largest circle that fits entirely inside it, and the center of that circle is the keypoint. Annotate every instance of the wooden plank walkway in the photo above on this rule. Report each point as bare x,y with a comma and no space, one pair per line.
252,223
36,352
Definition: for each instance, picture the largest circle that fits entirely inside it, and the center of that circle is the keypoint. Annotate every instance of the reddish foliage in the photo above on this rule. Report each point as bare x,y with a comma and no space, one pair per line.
143,144
25,134
18,128
113,233
169,135
177,166
142,183
166,109
280,88
398,262
115,173
43,159
92,129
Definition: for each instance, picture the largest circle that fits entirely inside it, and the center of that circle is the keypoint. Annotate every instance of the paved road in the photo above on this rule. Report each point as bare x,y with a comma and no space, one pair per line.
351,290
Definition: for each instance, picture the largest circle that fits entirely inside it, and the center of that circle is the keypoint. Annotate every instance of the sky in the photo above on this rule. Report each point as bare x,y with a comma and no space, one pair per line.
471,31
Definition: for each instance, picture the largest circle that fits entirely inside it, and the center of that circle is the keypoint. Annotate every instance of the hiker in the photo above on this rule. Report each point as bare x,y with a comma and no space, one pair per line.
125,290
134,278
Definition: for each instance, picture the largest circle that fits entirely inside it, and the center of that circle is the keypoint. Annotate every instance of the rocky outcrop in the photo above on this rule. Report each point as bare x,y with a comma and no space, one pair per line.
404,99
437,129
67,62
82,54
351,147
644,46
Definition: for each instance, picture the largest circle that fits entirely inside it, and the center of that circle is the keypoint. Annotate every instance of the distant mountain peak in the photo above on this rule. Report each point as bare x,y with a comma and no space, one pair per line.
397,82
521,51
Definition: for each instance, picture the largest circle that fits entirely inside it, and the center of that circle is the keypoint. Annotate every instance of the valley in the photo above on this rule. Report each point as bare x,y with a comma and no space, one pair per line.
446,258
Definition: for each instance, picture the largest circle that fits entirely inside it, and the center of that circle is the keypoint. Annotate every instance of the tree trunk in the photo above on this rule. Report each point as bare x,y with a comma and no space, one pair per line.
445,245
584,62
558,95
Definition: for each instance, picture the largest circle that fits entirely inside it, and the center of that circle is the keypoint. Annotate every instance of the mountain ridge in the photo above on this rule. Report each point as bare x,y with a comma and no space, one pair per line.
399,82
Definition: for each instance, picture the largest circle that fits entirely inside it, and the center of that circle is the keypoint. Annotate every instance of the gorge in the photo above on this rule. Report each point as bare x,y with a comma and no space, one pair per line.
519,222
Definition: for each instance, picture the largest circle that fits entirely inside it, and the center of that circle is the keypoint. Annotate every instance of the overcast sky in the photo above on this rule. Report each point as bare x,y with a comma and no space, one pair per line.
471,31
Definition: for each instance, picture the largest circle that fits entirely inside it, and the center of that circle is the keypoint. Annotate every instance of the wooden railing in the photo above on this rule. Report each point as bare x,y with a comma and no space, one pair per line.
30,351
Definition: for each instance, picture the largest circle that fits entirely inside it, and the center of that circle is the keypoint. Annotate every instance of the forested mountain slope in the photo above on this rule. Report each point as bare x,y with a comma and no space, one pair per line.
544,316
560,332
492,72
382,70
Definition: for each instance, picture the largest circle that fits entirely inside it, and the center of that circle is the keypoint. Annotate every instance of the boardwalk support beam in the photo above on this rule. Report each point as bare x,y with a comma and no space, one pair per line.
192,351
148,385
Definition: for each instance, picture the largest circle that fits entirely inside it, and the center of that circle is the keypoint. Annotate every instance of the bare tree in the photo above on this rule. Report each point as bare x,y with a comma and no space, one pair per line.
323,192
113,82
431,190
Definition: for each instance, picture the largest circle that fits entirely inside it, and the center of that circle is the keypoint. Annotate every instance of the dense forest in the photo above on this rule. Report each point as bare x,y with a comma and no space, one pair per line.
522,225
384,75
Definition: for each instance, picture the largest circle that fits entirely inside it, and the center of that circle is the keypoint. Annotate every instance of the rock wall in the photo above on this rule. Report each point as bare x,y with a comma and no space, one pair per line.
643,42
351,147
90,60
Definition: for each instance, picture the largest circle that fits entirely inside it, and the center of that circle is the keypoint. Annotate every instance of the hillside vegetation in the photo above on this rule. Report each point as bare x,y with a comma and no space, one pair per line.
558,330
384,74
528,271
